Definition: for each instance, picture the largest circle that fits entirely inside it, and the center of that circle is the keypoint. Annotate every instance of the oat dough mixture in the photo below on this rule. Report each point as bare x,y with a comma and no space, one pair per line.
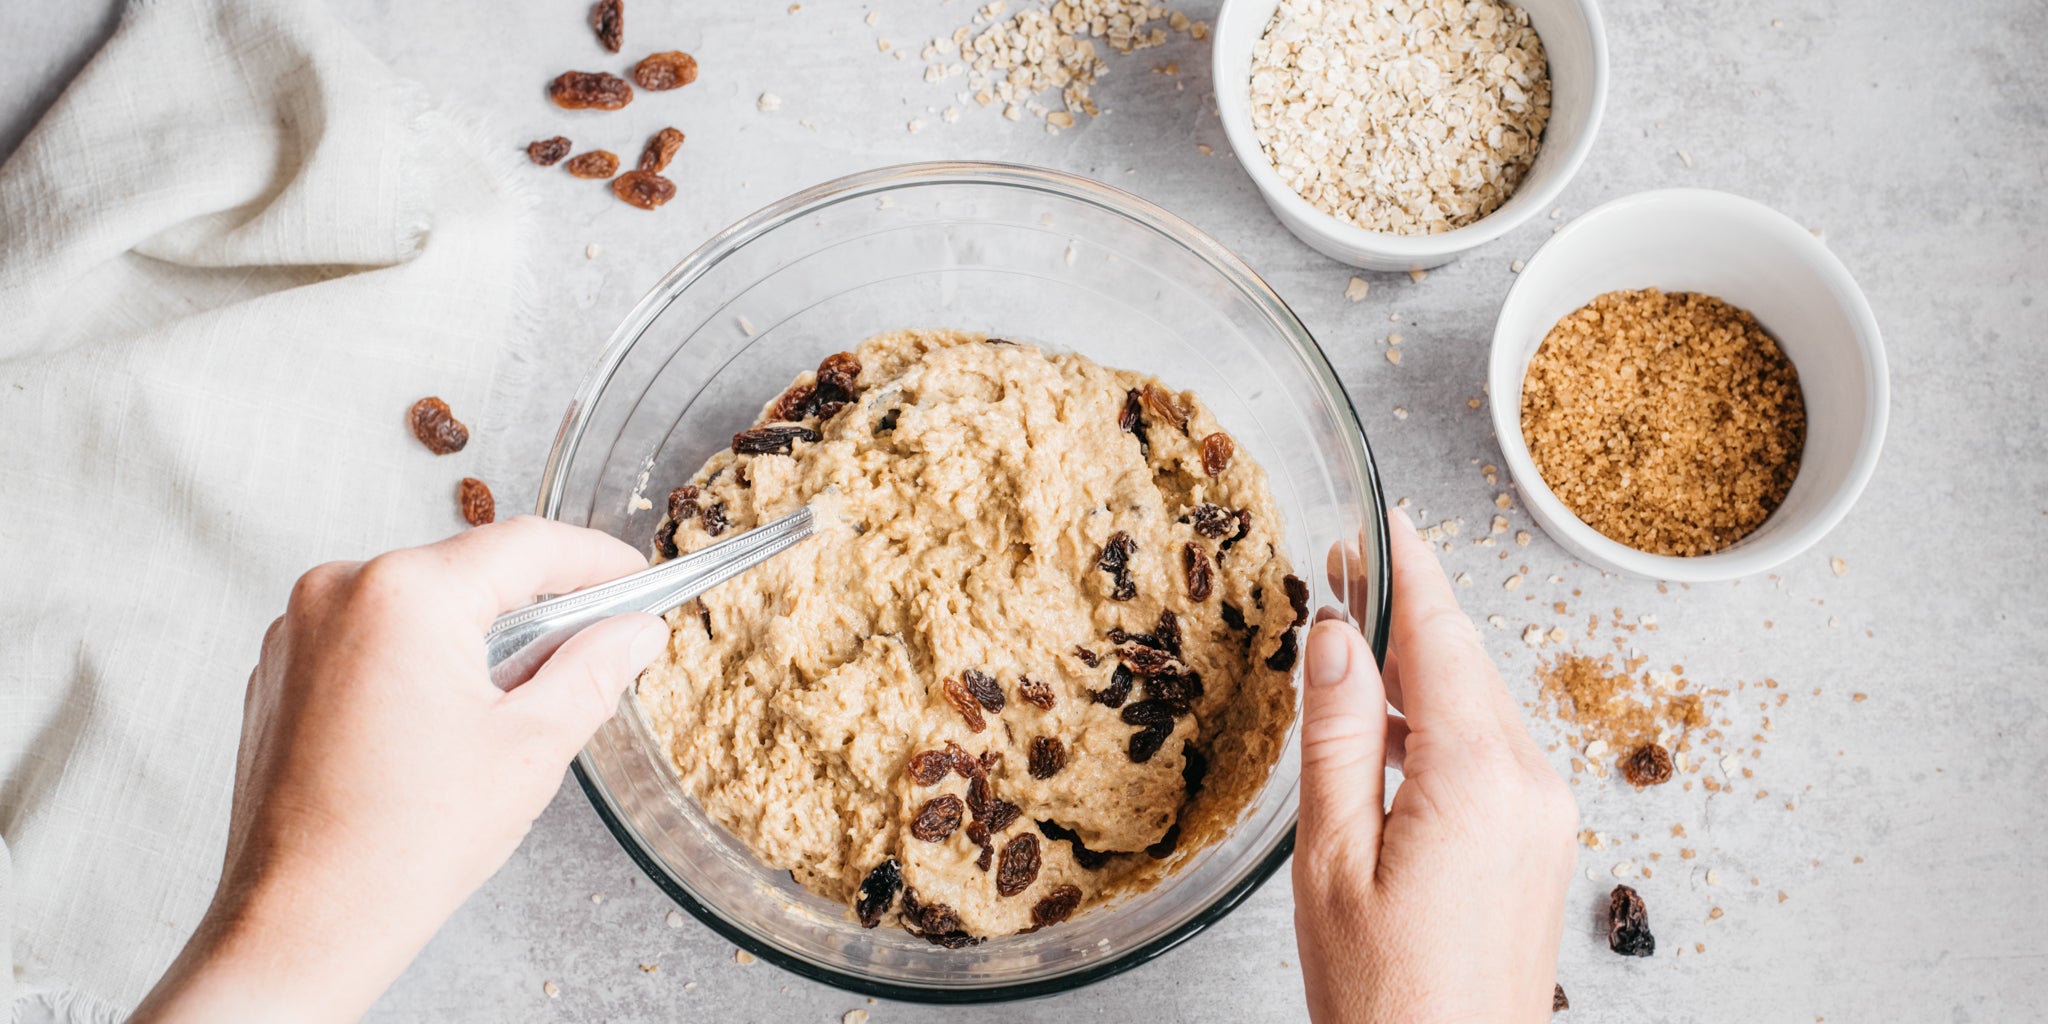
1041,645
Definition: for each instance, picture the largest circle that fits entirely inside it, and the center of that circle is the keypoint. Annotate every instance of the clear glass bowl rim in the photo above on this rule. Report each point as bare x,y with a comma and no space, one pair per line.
1143,212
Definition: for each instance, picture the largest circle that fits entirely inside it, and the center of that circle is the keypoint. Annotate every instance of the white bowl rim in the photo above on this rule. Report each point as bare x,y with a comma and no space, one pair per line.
1237,130
1743,559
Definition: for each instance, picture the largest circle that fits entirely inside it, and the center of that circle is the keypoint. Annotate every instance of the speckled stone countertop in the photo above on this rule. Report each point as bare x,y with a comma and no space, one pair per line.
1893,872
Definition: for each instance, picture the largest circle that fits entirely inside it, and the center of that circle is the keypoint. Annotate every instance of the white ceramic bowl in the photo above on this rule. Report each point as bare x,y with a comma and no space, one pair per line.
1751,256
1576,46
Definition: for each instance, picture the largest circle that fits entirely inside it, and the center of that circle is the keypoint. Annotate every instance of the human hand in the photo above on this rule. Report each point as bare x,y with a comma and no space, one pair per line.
382,777
1449,905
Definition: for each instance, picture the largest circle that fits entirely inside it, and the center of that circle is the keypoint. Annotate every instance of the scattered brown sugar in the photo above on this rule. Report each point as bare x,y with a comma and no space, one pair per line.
1670,422
1607,703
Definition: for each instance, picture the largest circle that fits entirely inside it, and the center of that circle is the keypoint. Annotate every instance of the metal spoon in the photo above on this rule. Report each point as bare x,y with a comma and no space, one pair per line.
521,641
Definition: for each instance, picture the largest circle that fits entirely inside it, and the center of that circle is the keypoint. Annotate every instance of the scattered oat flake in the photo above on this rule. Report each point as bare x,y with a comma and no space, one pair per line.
1685,157
1840,567
1532,635
854,1017
741,956
590,251
1496,622
1622,869
1417,275
873,17
1400,412
1859,697
746,325
1522,538
649,968
1394,356
1511,583
1205,149
553,990
1500,524
915,125
1357,289
675,919
1516,267
768,102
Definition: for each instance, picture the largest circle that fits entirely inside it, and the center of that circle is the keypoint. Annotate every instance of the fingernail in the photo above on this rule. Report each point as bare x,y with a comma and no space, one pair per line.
1329,654
1400,517
648,644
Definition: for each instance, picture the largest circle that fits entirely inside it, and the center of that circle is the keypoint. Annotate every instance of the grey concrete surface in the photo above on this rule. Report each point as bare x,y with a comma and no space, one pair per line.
1904,882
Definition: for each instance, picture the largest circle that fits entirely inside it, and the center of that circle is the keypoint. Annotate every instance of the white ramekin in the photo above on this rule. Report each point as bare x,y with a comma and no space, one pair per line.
1576,45
1751,256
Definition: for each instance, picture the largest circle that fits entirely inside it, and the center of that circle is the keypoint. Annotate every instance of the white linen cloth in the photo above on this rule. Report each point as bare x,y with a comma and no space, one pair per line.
231,257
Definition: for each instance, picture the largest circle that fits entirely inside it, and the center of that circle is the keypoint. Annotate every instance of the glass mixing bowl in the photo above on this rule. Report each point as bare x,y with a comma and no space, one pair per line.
1026,254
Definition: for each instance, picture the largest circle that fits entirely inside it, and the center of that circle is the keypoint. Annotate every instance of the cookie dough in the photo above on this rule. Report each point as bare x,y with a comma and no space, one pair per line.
1041,647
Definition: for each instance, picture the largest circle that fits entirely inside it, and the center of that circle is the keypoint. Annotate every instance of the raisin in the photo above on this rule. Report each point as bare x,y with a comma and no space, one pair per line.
838,372
582,90
938,818
929,768
1177,690
888,421
877,891
1217,449
987,692
598,163
1128,419
704,615
1118,690
660,150
1282,658
1233,616
669,69
1167,631
548,152
1035,693
937,918
1088,657
1116,561
1152,714
1244,526
1001,815
1083,856
978,796
437,428
1194,769
1557,999
795,404
474,496
978,834
644,189
715,520
1057,906
1018,867
1048,756
957,696
1159,402
1149,661
1628,924
682,503
1212,521
772,440
1297,598
984,764
1167,843
608,18
953,939
1649,765
1145,743
1201,575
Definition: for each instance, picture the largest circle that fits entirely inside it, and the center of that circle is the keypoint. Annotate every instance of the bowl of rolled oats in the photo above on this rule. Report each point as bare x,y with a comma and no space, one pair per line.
1687,385
1399,134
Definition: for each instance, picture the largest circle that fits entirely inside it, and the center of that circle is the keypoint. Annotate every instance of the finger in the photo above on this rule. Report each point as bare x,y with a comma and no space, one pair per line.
1447,681
1343,737
1397,742
1390,679
516,560
579,687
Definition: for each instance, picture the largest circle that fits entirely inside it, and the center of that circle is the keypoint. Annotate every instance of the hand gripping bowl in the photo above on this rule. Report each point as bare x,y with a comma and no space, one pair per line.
1027,254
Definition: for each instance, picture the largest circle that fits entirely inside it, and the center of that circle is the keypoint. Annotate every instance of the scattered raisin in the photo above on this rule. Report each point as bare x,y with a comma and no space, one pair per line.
1160,403
608,17
978,834
938,818
1048,756
582,90
1035,693
475,498
1233,616
1628,924
547,152
1557,999
1057,906
1282,658
1018,867
1649,765
1297,598
1244,526
644,189
1217,449
1201,575
969,709
660,150
1145,743
715,520
1001,815
878,891
598,163
772,440
669,69
1088,657
1128,419
1118,690
1193,769
1083,856
437,428
1167,843
1212,521
1116,561
987,692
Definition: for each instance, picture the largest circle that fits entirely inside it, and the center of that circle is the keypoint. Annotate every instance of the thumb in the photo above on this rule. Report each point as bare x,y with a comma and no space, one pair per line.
1343,746
578,688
